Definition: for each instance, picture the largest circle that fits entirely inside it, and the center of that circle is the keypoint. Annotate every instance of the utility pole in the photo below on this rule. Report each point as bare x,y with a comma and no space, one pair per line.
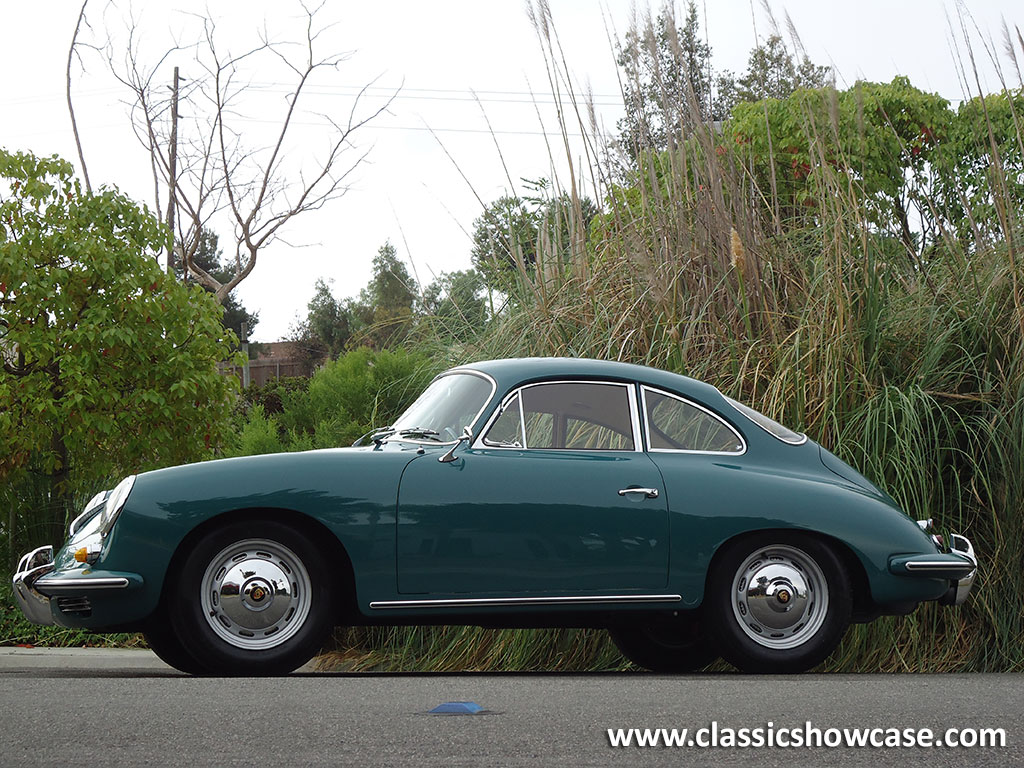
172,203
245,353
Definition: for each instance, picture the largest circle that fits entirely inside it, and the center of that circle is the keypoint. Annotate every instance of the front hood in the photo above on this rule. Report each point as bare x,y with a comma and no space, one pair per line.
322,483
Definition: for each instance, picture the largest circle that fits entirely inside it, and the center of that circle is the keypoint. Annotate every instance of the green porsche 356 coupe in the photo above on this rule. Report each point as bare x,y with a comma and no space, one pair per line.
512,493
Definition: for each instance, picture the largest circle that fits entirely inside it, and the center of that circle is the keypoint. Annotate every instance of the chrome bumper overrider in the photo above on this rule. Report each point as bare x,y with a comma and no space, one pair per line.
33,604
34,585
959,565
961,545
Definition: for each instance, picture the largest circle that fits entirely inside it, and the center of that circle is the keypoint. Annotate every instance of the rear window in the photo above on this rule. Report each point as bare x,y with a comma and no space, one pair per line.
773,428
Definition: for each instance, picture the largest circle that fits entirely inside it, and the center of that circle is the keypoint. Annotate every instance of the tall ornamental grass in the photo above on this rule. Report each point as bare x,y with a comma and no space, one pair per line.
792,284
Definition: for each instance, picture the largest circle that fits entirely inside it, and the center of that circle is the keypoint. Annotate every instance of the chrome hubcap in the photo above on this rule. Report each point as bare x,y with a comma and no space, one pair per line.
256,594
780,597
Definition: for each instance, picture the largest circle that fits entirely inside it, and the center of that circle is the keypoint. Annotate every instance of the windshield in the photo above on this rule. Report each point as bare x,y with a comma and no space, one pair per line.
450,403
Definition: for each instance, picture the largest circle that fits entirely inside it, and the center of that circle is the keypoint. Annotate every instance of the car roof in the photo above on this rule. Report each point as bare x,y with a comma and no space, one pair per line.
511,372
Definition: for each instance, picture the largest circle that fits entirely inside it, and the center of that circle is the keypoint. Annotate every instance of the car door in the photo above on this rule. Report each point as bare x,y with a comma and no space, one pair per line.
554,497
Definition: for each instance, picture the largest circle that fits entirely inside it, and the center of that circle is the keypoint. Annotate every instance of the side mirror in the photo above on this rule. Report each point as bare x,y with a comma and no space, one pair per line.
465,437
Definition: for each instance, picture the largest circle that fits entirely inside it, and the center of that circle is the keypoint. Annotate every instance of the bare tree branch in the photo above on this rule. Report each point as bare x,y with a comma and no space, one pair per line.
71,108
259,188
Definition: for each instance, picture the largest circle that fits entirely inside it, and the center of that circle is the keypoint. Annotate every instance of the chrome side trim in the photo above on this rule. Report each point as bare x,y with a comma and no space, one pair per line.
933,565
52,586
644,389
484,602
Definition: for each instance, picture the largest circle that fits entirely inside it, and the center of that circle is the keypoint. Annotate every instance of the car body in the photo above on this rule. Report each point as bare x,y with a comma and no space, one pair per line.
527,492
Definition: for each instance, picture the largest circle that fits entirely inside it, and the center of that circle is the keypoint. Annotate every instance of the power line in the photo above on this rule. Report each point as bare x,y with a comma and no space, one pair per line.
458,91
428,129
470,98
369,127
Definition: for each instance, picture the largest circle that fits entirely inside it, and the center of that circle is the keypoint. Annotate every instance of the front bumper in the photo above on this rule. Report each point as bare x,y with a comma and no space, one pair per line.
37,581
31,567
959,566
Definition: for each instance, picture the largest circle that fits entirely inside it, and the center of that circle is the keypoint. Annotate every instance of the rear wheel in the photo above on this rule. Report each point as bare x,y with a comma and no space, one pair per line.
667,644
778,602
253,598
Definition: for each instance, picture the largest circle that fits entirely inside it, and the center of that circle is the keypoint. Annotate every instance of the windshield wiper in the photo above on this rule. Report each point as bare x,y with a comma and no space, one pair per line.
420,432
376,435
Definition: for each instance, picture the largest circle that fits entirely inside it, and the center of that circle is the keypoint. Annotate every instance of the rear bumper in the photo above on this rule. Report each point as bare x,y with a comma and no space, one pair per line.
959,566
37,583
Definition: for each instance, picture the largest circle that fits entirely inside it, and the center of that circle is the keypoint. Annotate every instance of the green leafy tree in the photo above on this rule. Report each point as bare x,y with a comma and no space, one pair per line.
328,325
666,81
884,136
385,307
345,398
504,237
456,304
772,73
980,167
109,364
513,231
381,317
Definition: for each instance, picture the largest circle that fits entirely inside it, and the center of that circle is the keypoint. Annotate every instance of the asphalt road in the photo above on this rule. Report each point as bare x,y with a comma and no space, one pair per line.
126,708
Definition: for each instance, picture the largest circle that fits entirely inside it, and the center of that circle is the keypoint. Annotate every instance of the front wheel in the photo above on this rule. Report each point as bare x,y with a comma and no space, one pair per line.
253,598
164,642
778,602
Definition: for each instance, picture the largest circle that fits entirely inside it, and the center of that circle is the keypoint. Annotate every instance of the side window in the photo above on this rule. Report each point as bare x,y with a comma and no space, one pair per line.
585,435
566,415
578,416
675,425
507,430
540,429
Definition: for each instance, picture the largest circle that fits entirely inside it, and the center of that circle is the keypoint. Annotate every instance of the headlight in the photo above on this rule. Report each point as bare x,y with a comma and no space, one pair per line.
115,503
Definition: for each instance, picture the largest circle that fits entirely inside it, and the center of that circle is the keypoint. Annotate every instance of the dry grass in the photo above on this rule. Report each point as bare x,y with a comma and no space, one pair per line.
908,364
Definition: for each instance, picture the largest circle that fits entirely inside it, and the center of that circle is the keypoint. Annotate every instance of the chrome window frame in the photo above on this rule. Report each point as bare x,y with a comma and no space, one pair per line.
498,413
487,401
644,389
634,418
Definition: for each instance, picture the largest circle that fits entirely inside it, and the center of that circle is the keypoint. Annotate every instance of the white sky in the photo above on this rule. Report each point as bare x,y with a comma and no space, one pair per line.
440,53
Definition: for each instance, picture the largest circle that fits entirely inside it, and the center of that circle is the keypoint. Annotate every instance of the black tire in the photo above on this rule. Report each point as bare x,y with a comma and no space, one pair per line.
665,644
797,614
162,640
253,598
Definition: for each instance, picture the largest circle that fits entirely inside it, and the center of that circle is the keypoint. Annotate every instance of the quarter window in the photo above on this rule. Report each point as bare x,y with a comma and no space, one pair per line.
507,429
773,428
673,424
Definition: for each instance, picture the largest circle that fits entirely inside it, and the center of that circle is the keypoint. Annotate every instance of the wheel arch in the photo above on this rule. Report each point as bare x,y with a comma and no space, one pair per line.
863,603
318,534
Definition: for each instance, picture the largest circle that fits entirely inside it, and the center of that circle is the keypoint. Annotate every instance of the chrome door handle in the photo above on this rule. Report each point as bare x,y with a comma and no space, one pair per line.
650,493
